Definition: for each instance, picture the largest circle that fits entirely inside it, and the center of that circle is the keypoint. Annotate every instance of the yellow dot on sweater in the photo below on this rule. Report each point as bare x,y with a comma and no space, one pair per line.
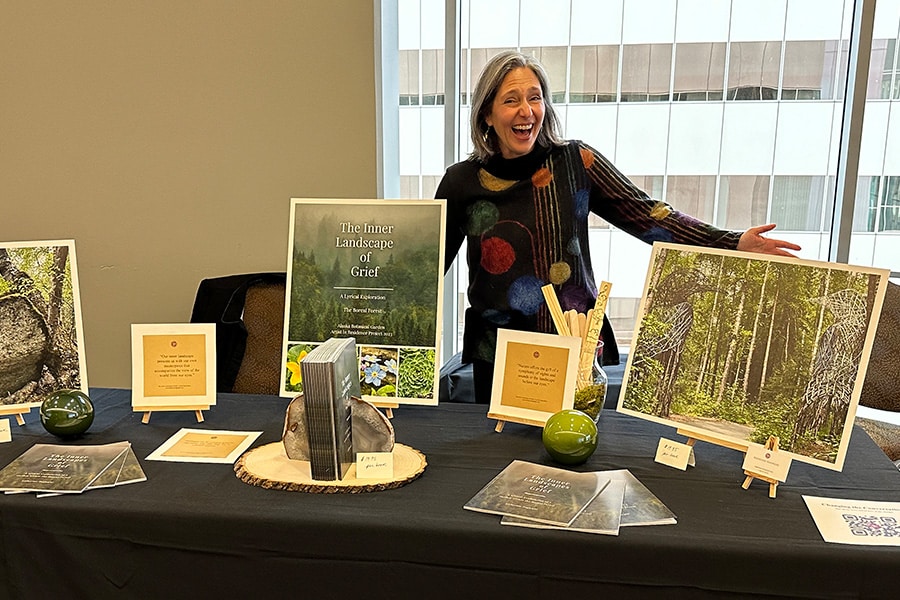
560,273
493,184
660,211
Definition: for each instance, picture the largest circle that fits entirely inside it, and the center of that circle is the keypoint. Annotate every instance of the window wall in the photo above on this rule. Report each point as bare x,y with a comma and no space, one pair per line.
730,110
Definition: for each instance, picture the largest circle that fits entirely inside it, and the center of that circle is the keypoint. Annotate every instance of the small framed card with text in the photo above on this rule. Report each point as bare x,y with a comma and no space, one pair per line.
173,367
534,376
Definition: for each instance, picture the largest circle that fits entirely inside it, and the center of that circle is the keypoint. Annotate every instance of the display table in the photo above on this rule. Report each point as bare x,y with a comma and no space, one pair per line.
197,531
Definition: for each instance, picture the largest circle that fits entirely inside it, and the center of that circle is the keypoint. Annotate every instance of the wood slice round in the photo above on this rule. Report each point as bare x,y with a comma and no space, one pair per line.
269,467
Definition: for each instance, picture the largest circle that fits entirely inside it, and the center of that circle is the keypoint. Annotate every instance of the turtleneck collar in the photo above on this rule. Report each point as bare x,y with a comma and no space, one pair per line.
516,169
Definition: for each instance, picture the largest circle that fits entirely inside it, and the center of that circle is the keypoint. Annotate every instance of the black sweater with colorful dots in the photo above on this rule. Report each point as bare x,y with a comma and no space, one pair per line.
526,223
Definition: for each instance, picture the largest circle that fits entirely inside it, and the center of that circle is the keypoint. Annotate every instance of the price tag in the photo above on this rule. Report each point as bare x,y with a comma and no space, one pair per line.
674,454
5,433
375,465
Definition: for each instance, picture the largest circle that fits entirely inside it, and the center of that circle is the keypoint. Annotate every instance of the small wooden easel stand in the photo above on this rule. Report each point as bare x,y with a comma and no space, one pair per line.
502,419
148,410
388,408
15,410
771,444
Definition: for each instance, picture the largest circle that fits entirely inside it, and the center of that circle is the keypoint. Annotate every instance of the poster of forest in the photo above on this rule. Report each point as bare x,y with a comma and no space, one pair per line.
41,347
371,270
740,347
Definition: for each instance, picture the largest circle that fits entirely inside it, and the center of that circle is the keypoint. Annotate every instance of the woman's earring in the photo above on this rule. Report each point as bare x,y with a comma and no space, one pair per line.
487,133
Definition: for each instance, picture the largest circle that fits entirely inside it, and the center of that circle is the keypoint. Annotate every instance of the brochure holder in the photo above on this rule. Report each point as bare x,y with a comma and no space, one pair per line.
148,410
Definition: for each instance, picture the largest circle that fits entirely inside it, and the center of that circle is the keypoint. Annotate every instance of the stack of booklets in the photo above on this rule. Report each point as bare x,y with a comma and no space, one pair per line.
532,495
330,377
51,469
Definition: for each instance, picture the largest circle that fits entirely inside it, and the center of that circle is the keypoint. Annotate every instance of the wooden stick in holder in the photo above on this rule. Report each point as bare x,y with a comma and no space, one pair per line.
556,312
591,336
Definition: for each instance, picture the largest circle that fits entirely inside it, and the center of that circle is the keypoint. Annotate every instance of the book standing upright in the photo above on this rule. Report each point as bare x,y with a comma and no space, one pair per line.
330,378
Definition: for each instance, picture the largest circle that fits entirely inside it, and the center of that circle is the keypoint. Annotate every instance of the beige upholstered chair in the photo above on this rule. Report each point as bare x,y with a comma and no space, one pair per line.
261,369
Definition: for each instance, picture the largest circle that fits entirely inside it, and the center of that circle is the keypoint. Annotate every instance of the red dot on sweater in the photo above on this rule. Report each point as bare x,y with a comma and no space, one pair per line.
497,256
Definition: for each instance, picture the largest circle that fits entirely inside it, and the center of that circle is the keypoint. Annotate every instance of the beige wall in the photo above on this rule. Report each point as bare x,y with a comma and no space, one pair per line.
167,138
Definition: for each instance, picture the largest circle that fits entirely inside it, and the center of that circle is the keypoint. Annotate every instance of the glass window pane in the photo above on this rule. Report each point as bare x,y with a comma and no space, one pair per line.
694,195
742,201
881,65
753,70
797,203
805,70
432,77
409,186
594,74
890,204
699,71
409,77
865,208
646,70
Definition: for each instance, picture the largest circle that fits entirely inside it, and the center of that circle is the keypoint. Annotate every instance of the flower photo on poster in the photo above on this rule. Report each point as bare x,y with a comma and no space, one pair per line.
739,347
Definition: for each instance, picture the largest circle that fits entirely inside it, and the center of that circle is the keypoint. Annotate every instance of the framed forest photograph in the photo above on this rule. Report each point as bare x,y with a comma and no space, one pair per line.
41,337
739,347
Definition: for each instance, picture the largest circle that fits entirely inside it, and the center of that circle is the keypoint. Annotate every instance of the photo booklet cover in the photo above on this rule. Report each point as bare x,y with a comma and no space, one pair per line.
625,502
538,493
371,270
51,469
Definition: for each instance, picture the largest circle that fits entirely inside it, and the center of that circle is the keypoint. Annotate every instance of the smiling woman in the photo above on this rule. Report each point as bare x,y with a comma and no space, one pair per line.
521,201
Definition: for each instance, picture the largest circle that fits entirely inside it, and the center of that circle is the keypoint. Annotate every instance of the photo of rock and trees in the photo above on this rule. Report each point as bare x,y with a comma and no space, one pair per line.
39,322
746,348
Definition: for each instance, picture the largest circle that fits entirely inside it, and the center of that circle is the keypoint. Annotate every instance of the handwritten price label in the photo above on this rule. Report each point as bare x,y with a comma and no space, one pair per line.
674,454
374,465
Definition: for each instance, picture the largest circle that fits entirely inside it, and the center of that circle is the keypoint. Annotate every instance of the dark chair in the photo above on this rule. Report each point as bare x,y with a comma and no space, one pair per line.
881,387
248,311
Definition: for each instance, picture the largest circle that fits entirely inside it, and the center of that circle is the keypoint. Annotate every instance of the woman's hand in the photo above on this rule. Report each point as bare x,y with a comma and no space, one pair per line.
752,240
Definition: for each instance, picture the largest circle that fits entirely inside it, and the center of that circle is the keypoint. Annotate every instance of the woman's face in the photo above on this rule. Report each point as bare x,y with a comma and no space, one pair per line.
517,112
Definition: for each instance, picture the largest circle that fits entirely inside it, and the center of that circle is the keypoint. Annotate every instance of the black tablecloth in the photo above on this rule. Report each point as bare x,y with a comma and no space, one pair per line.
195,529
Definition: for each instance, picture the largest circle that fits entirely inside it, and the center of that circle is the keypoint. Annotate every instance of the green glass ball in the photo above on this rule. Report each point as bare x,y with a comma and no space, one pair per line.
67,413
570,437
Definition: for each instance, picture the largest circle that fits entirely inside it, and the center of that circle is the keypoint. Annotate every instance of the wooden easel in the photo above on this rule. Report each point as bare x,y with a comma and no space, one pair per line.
502,419
16,410
148,410
771,444
388,408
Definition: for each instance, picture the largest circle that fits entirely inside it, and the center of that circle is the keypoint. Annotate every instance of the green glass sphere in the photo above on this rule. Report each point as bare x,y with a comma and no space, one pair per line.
67,413
570,437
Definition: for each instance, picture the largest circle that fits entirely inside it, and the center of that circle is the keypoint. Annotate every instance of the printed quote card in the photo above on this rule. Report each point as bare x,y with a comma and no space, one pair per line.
173,365
534,375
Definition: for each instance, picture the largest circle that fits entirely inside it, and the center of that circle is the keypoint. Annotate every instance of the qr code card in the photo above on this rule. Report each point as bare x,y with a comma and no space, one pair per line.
860,522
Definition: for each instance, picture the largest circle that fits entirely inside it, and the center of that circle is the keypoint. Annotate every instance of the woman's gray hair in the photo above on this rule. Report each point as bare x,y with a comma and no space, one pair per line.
484,139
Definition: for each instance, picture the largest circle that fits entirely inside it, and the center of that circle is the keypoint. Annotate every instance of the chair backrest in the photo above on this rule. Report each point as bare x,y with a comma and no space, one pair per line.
881,387
224,301
261,371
